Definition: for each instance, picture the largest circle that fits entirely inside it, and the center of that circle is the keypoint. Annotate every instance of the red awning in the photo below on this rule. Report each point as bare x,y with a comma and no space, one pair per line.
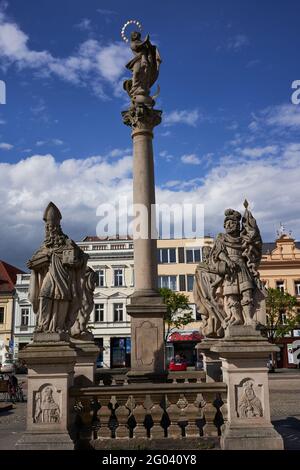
194,336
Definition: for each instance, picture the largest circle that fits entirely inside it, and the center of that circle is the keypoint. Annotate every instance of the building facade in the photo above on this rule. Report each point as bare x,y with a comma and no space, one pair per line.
280,269
8,277
24,318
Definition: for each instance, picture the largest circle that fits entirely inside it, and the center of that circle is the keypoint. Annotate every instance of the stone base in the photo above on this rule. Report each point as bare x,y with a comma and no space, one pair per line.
211,360
85,366
43,441
147,335
40,337
50,375
244,354
258,438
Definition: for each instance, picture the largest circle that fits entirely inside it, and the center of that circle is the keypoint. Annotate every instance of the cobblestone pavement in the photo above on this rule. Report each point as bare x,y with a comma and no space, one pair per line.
285,408
285,412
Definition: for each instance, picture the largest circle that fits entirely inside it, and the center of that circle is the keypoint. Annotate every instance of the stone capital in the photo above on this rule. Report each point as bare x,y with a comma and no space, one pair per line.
141,119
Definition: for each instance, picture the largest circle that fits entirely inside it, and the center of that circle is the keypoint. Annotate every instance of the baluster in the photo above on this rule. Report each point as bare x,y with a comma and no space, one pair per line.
139,414
193,413
224,411
209,428
122,414
182,403
174,430
104,414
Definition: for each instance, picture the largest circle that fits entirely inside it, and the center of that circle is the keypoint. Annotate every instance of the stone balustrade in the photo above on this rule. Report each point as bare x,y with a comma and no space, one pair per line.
110,377
148,411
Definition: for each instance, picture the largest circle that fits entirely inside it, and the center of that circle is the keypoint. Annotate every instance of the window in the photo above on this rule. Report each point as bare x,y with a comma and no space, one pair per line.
99,312
118,312
25,316
118,277
166,255
190,282
283,318
297,287
193,255
100,279
168,281
1,314
280,285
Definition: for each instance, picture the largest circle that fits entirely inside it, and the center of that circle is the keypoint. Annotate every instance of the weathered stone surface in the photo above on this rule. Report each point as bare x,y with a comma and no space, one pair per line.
227,288
50,375
85,366
244,355
211,360
61,284
45,441
147,339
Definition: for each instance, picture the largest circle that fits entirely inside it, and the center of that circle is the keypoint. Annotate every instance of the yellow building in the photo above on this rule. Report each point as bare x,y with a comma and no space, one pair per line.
280,268
177,262
8,277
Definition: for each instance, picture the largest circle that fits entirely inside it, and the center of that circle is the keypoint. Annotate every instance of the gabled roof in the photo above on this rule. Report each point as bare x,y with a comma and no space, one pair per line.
8,276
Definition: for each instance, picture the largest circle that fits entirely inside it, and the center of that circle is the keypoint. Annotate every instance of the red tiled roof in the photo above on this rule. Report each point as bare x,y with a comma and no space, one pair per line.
8,276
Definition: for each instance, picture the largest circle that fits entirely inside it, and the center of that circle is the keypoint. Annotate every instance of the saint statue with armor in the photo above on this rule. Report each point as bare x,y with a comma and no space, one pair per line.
227,288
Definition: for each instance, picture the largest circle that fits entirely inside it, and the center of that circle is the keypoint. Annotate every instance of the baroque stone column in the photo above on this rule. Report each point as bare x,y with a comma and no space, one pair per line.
146,308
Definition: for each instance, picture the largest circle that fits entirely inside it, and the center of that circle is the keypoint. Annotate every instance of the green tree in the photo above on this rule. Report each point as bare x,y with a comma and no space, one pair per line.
178,313
282,317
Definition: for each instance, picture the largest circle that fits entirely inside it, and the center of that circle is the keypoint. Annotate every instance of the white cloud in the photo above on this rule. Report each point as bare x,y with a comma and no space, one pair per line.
284,116
166,155
257,152
84,25
189,117
191,159
94,64
57,142
79,186
6,146
237,42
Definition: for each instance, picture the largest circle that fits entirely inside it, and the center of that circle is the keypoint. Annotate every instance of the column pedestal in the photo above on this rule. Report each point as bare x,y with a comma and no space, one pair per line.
50,375
147,339
211,360
244,354
85,366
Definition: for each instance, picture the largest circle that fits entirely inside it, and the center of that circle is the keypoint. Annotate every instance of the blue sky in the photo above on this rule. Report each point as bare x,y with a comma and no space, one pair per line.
229,131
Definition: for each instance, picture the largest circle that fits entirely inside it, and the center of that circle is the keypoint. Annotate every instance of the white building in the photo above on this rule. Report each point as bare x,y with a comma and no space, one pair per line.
24,318
112,259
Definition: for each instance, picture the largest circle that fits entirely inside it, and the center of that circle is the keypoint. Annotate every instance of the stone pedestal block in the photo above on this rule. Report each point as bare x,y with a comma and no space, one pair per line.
50,375
85,366
147,338
244,354
211,360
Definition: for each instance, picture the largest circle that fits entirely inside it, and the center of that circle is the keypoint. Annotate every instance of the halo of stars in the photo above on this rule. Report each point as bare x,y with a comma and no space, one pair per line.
123,35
